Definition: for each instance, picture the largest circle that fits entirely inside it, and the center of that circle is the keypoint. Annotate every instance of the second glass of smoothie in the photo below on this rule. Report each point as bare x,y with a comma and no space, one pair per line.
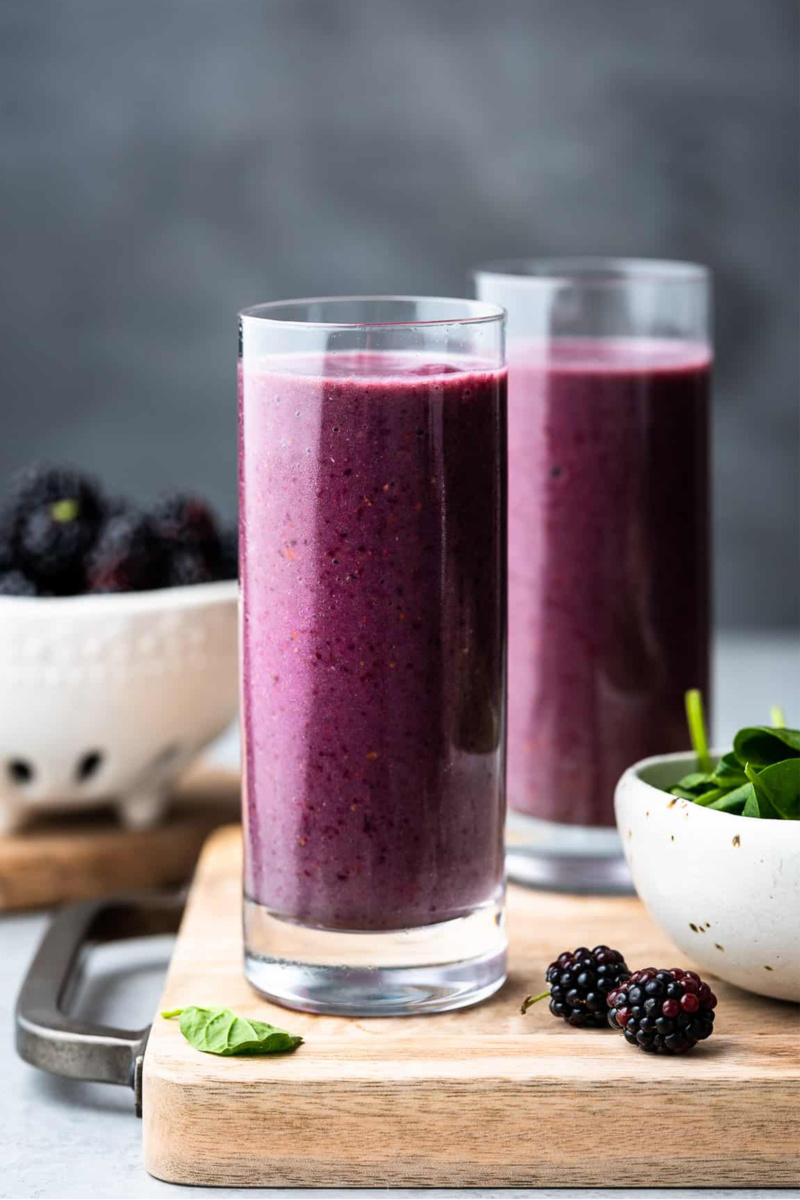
609,379
373,566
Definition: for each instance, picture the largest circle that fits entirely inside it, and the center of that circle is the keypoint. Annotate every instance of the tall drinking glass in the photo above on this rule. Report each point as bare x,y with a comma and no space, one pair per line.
373,565
609,374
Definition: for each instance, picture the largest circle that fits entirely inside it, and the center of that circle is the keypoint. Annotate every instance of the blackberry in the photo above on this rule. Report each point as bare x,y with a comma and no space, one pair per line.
187,567
229,553
663,1012
14,583
129,556
55,515
580,982
185,522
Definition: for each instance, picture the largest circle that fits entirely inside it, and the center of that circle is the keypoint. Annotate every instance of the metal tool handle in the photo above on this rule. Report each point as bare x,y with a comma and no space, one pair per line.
50,1039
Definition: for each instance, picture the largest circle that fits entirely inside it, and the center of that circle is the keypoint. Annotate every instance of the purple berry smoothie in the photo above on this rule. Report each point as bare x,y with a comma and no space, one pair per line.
608,564
373,565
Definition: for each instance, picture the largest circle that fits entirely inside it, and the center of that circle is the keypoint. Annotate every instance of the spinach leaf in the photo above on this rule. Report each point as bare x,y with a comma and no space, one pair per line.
759,778
779,787
761,745
735,801
696,781
219,1031
705,799
752,807
772,794
758,804
698,786
694,785
729,772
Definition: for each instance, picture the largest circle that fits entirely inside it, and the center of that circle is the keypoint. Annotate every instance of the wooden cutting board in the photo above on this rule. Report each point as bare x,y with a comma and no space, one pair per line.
483,1096
82,856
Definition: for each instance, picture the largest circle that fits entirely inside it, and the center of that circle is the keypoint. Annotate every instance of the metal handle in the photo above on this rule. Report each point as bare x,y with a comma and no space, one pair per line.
46,1036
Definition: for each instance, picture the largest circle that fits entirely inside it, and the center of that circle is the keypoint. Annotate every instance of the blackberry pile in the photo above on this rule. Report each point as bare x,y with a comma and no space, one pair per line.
60,536
127,557
580,982
663,1012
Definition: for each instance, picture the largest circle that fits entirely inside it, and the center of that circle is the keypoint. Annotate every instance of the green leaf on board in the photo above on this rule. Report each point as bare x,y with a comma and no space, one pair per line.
219,1031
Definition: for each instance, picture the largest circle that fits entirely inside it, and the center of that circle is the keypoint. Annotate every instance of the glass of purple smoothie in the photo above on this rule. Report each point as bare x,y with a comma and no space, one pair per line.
609,377
372,485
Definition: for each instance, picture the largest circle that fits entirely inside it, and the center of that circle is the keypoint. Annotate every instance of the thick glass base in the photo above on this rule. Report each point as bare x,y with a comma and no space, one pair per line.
566,858
403,972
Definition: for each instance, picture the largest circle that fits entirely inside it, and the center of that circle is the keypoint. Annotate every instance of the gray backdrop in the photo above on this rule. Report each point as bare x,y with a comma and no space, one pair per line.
166,161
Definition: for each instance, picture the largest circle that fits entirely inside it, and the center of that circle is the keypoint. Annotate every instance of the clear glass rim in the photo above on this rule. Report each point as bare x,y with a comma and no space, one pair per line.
594,271
472,312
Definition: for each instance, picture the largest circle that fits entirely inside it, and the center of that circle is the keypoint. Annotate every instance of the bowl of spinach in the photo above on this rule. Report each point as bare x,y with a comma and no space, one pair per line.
712,839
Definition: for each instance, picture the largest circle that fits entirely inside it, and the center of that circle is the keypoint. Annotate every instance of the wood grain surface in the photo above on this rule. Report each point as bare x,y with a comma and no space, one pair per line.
86,855
479,1097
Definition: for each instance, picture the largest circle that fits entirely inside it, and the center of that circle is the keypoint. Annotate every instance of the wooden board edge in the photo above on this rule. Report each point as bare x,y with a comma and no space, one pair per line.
518,1136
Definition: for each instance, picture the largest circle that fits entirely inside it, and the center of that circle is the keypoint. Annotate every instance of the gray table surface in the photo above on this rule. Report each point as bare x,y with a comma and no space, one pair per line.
59,1138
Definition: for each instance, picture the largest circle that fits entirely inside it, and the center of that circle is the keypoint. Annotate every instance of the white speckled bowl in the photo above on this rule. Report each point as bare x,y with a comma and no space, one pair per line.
107,697
726,889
